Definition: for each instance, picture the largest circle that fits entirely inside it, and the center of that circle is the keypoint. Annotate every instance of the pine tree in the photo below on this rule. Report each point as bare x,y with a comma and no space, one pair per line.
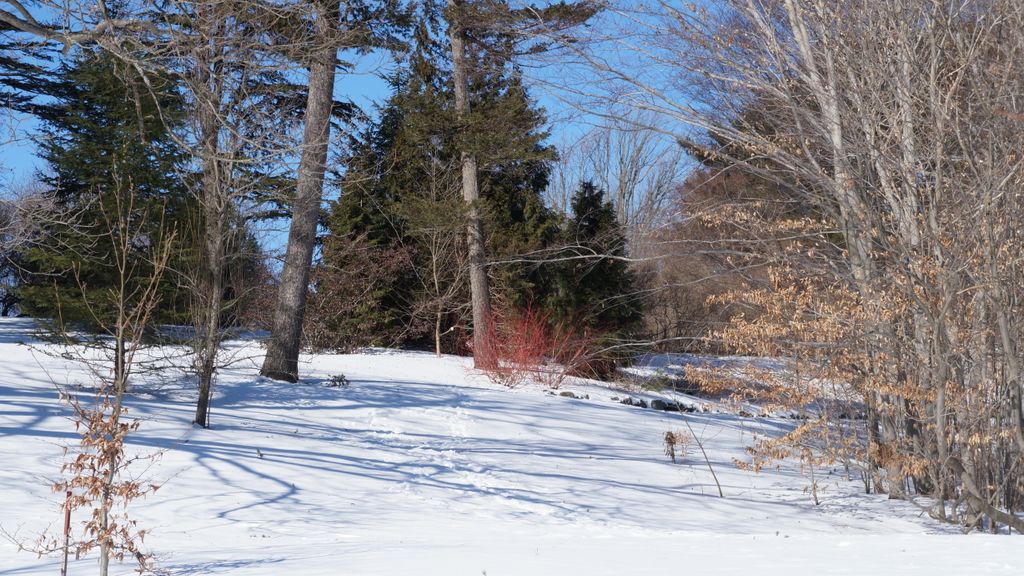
361,283
105,136
22,75
23,78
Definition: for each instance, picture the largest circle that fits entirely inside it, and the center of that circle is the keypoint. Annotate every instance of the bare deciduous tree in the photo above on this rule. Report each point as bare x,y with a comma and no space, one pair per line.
22,214
220,54
219,57
97,477
894,124
430,218
638,168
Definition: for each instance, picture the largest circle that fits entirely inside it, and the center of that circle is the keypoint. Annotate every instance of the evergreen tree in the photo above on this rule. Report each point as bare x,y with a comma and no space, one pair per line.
514,172
402,191
108,147
369,247
483,36
22,75
595,288
353,26
22,79
361,283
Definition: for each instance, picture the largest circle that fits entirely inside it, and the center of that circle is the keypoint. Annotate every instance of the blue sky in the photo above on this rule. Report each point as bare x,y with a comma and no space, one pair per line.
19,163
365,86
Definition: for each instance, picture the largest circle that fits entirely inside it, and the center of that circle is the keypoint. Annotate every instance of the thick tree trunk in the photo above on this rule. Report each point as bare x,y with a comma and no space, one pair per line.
282,360
478,281
210,296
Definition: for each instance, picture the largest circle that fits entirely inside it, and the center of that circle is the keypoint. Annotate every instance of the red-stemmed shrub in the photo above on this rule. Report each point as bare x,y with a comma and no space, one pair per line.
527,345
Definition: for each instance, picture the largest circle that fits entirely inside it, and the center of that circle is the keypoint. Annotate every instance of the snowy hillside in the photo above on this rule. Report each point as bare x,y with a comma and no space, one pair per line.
422,467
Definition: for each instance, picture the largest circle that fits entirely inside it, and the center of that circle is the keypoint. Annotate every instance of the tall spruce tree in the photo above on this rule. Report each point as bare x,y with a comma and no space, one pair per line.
105,139
398,184
595,288
355,25
362,282
515,167
484,37
403,188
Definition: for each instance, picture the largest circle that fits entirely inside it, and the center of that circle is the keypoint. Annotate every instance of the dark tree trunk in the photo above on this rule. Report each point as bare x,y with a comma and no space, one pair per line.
7,303
478,281
282,360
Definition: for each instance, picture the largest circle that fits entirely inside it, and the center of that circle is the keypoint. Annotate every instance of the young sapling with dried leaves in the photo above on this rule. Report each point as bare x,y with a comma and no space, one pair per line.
96,477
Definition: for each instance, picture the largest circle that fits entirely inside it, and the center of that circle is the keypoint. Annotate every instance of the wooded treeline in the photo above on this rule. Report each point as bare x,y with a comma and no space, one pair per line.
860,180
852,203
222,118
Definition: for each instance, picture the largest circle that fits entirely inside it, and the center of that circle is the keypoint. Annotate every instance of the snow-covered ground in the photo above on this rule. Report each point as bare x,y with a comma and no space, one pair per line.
423,467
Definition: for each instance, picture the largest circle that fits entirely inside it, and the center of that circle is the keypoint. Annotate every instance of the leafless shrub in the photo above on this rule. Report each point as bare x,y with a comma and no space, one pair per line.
677,445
